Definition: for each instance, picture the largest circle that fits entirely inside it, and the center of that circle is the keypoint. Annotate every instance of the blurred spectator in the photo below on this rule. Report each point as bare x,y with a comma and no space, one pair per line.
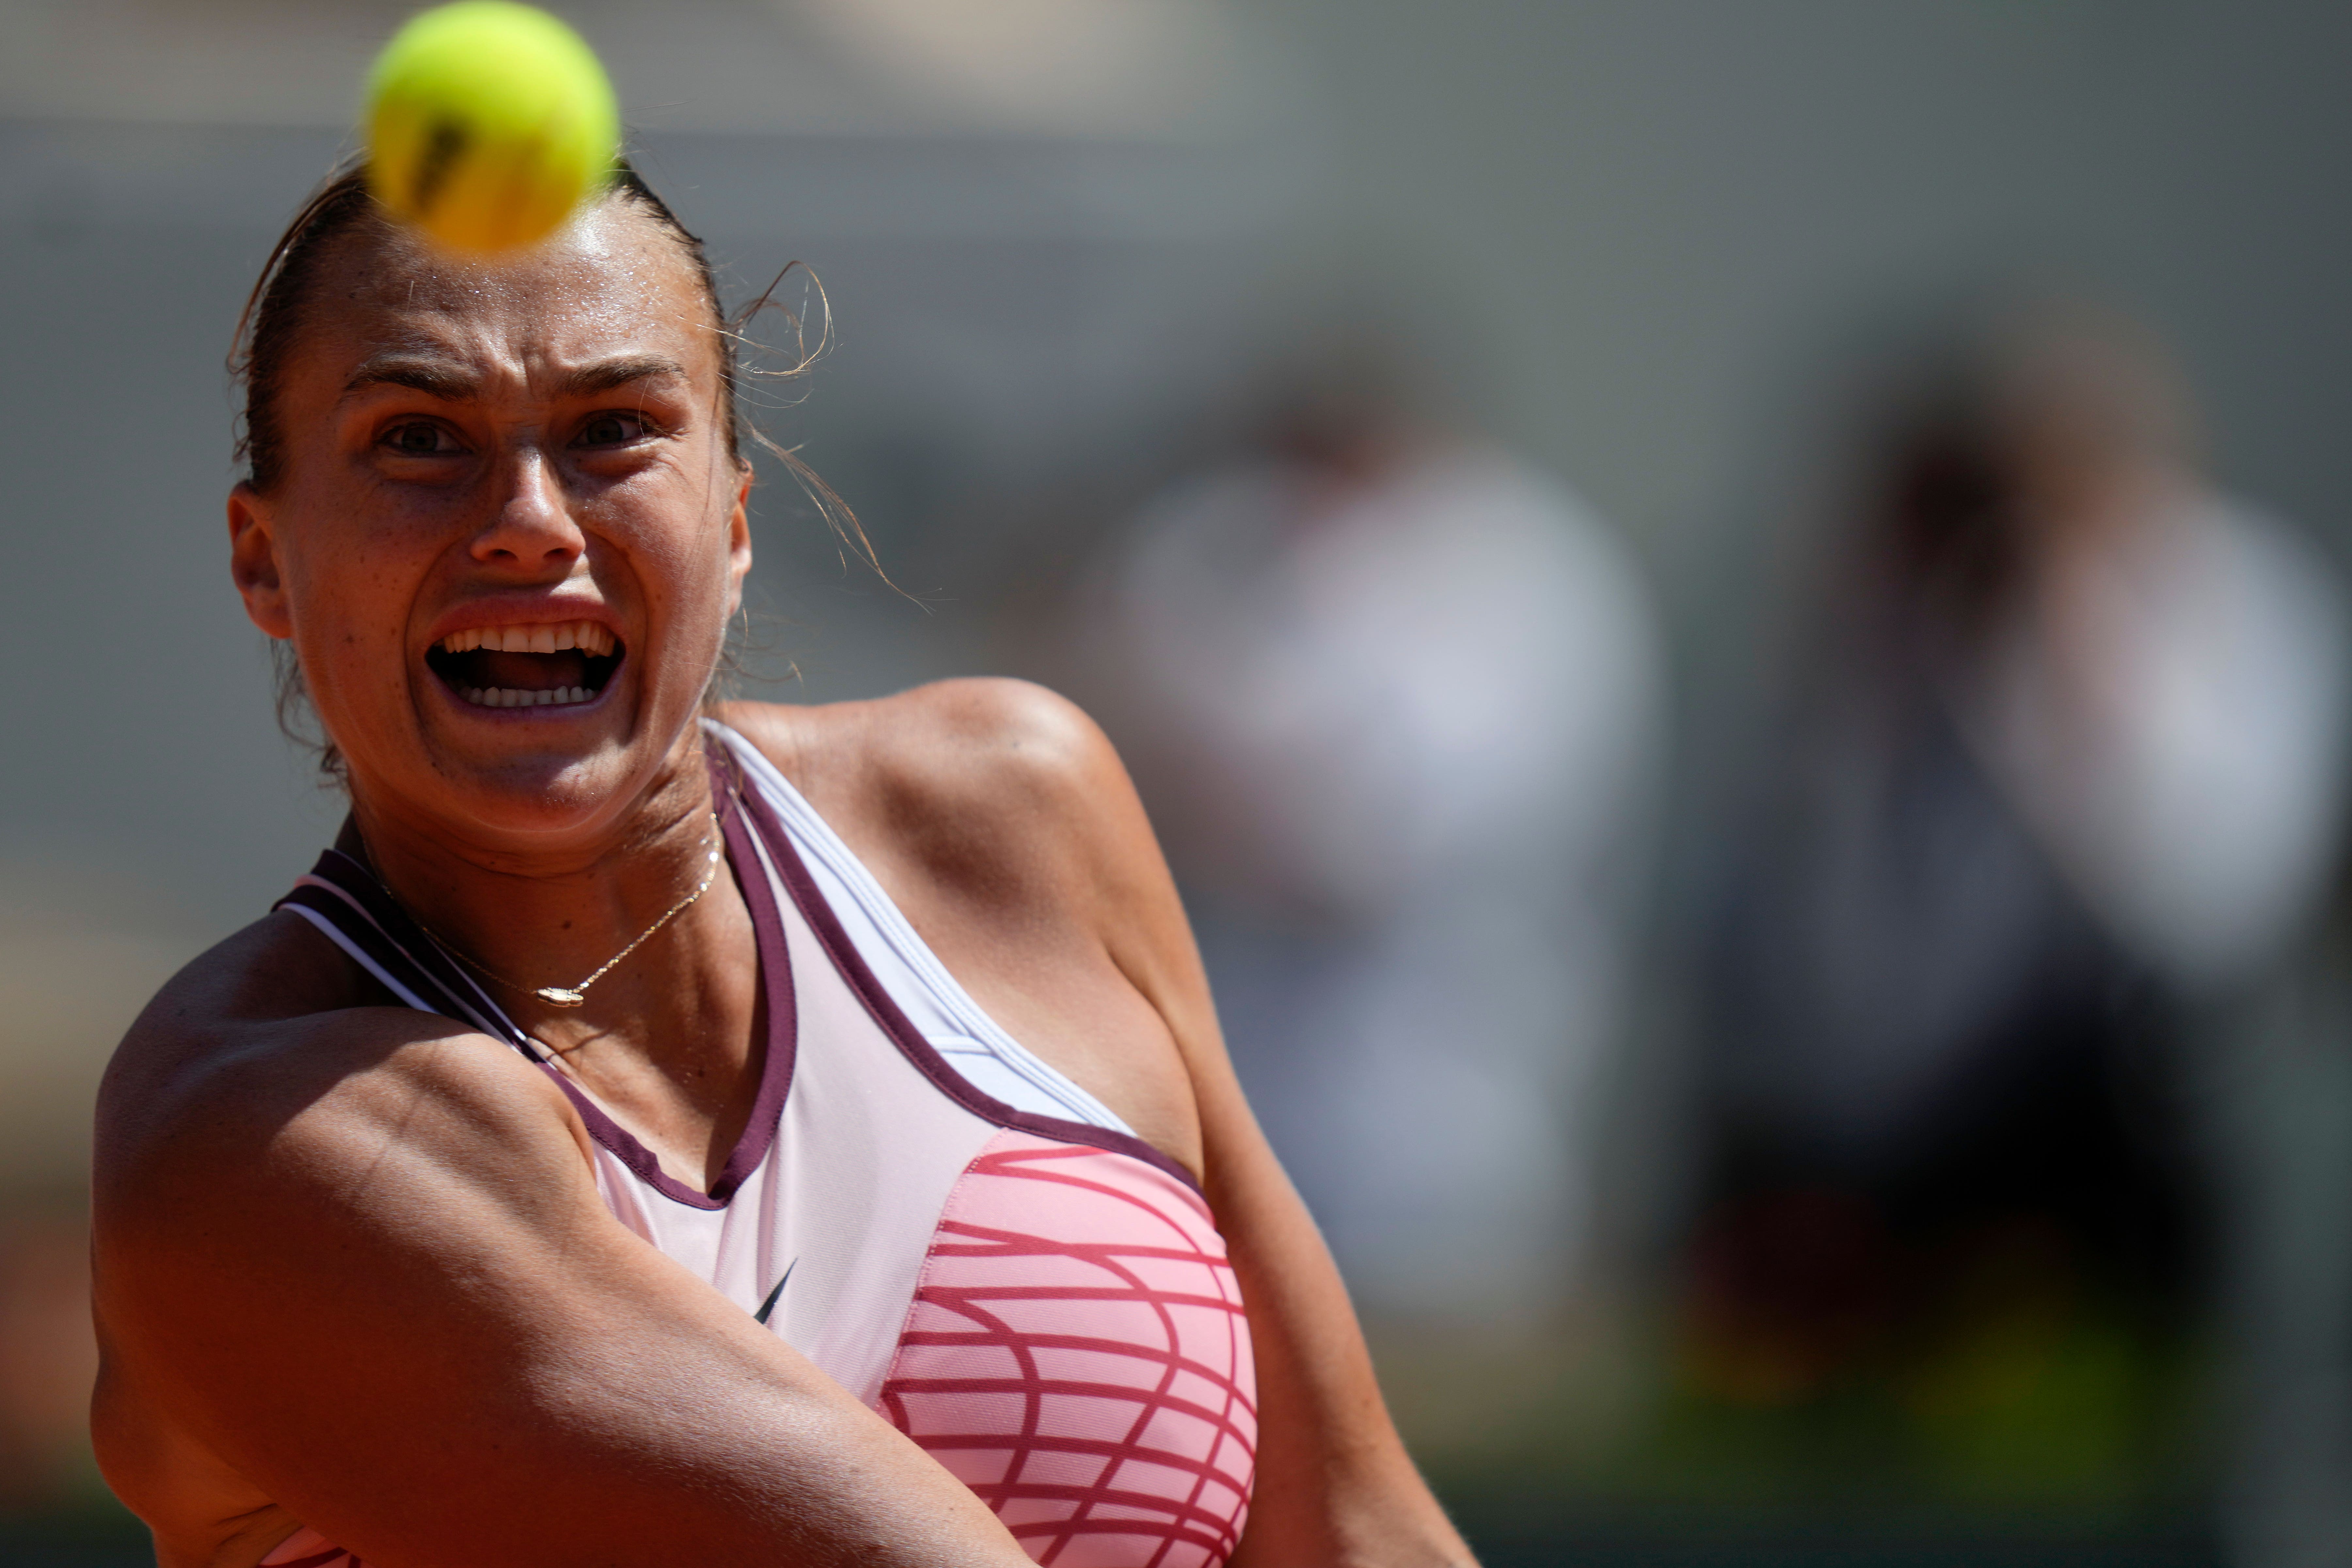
1394,699
2062,780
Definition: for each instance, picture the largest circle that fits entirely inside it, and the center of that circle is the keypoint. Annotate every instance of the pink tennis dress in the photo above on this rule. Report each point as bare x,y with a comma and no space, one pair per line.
955,1232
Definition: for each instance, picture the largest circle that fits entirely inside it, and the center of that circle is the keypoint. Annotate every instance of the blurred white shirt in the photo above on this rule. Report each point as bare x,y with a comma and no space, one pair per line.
2180,743
1415,718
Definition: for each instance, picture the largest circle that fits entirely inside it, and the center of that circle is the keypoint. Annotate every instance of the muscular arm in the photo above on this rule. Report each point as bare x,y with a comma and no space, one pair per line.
1335,1485
356,1260
1001,819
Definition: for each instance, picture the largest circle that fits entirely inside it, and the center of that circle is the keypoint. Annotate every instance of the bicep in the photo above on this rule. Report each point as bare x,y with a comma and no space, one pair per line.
407,1319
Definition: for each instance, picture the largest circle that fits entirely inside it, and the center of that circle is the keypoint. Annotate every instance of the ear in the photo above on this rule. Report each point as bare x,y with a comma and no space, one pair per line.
739,540
253,561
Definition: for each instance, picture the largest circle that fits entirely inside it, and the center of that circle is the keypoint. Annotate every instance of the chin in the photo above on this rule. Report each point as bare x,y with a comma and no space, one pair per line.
532,775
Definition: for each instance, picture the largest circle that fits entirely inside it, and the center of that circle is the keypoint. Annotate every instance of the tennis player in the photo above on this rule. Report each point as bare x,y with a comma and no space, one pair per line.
660,1132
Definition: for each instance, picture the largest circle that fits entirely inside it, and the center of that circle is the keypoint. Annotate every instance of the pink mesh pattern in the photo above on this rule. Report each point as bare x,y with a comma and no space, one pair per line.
1077,1355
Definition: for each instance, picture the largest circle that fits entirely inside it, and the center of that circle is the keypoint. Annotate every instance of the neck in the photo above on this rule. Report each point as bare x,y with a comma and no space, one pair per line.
549,911
669,1039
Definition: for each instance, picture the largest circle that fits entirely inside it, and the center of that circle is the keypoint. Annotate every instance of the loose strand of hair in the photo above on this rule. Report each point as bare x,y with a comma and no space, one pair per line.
743,351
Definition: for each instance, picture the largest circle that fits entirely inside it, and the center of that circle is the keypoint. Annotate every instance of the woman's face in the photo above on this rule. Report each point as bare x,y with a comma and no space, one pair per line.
507,534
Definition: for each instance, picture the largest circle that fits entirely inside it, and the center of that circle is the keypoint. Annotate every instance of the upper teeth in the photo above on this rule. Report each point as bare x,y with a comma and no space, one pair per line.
585,635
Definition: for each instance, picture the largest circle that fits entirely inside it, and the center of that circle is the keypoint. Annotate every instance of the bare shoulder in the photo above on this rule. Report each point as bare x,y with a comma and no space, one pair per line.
975,740
263,1115
999,819
989,778
267,1062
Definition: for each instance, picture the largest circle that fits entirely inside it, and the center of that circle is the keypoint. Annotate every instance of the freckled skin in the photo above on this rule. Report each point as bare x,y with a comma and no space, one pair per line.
349,1258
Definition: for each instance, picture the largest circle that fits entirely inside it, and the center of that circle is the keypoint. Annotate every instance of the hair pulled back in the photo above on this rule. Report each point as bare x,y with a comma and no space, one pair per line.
272,320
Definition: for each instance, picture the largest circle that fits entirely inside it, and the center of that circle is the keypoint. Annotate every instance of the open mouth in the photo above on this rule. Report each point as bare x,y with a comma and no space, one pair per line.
550,666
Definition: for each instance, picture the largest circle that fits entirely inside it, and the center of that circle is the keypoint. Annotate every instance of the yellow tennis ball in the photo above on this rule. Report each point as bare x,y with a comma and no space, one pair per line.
488,124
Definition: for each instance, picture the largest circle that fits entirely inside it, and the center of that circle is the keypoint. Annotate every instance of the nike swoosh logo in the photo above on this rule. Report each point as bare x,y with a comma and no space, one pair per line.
769,1305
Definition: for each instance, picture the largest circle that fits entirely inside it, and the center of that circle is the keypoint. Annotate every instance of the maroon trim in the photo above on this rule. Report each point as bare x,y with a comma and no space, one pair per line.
783,1038
316,1558
902,1029
399,940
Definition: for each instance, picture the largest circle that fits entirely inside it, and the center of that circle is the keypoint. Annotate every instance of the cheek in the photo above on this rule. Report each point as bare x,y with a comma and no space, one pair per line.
349,595
692,566
353,600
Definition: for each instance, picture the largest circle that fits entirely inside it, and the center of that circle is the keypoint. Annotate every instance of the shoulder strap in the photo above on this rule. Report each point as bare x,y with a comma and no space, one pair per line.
766,794
344,900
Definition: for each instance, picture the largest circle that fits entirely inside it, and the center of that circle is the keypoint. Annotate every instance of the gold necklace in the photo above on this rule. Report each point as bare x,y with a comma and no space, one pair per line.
577,996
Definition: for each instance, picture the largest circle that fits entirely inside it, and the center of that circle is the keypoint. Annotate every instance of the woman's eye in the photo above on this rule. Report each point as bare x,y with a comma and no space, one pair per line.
612,430
419,439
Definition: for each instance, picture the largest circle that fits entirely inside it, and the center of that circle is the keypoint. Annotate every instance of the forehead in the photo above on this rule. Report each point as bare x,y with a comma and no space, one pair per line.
616,280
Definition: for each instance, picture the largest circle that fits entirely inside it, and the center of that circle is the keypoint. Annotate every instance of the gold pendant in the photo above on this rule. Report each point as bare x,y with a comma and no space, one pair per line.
557,996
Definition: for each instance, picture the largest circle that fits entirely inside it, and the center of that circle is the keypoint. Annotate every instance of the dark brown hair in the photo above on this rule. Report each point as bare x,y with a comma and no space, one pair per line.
270,326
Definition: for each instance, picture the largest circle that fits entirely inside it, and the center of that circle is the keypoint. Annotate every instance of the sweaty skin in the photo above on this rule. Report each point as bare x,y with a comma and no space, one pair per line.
352,1268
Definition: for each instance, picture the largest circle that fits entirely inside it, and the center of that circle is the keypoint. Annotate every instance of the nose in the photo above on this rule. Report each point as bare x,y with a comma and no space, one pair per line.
531,528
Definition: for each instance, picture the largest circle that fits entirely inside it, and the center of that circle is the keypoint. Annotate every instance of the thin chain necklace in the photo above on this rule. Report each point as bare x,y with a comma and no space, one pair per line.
577,996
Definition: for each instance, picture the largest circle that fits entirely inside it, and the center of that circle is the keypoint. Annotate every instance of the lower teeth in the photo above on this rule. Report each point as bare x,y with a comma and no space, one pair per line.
516,697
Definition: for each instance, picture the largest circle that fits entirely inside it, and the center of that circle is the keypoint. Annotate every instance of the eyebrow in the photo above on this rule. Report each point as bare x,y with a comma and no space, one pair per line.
433,377
441,379
605,374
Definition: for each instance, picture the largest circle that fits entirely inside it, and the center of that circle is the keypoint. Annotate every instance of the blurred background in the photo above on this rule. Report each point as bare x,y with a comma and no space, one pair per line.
1732,615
